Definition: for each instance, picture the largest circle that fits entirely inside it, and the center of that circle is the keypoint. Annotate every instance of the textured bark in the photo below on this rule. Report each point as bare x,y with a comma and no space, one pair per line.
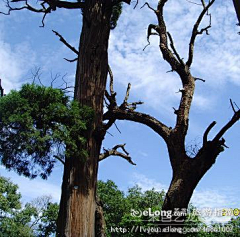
78,200
100,224
186,176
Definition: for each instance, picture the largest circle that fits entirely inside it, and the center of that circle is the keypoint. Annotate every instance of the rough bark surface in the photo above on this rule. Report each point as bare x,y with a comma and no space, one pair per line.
78,200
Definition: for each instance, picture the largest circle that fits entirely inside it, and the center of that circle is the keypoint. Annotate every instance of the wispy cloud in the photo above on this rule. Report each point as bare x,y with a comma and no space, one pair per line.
15,63
146,183
216,200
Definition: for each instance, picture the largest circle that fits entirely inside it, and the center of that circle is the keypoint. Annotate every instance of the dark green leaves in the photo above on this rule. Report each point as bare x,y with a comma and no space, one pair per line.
37,123
116,12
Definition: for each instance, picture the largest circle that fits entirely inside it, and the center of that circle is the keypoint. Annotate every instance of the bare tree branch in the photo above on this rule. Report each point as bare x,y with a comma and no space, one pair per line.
65,85
194,3
110,152
36,75
147,4
71,60
199,79
117,128
65,42
111,99
111,81
195,31
174,49
46,6
127,93
207,132
232,106
149,33
203,4
136,4
233,120
153,123
114,152
59,159
126,111
162,32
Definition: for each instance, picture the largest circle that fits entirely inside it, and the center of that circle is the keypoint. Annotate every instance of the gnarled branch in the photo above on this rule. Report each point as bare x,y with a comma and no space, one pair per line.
126,111
59,159
114,152
46,6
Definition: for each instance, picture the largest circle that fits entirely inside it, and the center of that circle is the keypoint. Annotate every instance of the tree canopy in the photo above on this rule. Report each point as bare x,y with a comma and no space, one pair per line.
36,125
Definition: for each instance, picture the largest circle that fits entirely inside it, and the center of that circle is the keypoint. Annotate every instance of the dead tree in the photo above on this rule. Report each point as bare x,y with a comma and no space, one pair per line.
187,171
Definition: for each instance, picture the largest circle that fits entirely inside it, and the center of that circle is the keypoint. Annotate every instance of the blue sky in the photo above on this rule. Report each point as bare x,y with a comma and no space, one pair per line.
25,46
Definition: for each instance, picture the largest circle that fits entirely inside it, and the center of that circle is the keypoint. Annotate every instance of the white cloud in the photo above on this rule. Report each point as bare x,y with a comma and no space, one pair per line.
15,63
36,188
215,200
31,189
146,183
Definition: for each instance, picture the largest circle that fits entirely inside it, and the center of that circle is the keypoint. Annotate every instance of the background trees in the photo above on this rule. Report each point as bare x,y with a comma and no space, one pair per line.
37,218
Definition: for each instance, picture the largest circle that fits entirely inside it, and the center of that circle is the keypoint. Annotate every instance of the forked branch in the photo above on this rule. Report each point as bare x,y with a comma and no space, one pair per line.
114,152
174,49
196,32
126,111
46,6
233,120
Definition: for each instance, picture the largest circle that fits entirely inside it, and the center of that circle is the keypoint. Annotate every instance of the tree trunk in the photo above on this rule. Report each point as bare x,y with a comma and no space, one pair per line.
78,200
186,176
177,199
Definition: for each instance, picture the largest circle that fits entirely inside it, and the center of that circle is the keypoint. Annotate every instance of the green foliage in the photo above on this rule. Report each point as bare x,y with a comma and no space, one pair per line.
116,12
38,123
13,219
114,202
118,207
48,223
37,218
9,198
44,224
